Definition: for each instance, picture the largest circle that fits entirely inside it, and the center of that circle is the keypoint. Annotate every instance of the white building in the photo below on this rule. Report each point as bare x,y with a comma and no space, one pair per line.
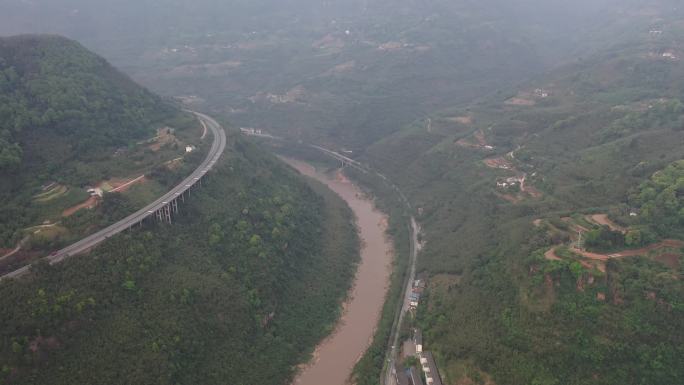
418,340
95,191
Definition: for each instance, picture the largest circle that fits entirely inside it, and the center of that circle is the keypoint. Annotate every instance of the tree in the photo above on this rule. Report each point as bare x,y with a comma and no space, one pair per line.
633,238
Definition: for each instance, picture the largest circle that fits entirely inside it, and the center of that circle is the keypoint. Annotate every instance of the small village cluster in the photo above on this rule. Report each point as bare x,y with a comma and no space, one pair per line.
416,292
251,131
412,376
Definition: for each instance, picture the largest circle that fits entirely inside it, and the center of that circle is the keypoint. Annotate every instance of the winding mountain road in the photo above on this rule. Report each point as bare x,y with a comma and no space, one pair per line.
87,243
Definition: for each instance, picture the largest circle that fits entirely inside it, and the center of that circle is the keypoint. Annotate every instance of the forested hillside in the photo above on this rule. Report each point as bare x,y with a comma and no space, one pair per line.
538,142
68,121
237,291
552,219
55,91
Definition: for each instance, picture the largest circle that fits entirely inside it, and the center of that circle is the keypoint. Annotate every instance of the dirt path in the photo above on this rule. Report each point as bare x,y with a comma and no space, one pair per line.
500,162
16,249
336,356
88,204
603,258
551,255
11,253
128,184
668,243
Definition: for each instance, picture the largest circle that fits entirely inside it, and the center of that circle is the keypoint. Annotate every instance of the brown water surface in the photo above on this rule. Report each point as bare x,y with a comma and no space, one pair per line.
336,356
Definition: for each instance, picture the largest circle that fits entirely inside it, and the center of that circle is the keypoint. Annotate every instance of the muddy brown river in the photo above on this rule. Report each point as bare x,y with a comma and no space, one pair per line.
336,356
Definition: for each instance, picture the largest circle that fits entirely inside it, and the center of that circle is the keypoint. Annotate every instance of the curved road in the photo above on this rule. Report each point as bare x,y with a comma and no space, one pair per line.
388,378
95,239
391,355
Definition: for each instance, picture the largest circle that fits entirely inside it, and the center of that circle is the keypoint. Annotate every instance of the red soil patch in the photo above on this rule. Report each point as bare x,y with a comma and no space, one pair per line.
465,143
551,255
480,141
465,120
340,177
603,220
509,198
498,163
598,264
669,259
480,137
88,204
518,101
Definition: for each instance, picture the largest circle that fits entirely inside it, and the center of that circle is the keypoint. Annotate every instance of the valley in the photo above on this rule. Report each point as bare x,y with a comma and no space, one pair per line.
527,179
257,257
334,360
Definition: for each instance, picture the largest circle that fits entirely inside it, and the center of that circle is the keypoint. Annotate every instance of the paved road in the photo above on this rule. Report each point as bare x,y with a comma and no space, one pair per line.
93,240
392,352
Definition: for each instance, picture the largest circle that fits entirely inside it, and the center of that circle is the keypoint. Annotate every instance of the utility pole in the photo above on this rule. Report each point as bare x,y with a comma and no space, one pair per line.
579,239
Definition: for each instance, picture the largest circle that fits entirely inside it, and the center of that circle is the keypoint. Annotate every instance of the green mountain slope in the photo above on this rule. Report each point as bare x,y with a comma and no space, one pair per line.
57,95
597,145
69,120
238,290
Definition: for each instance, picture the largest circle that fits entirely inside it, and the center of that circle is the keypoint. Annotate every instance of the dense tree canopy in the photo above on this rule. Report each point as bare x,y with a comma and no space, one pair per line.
237,291
64,112
660,200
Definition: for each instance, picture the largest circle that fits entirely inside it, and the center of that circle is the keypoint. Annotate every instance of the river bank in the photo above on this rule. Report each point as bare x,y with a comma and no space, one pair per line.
334,359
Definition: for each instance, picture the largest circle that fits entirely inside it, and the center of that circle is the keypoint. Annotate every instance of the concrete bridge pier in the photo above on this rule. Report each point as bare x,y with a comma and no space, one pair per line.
167,214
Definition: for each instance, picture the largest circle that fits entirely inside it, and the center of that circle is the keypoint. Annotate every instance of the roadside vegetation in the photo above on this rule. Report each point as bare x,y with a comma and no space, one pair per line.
68,122
527,301
239,290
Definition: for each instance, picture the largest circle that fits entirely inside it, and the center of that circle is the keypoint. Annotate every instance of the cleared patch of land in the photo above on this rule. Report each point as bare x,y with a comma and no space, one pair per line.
88,204
54,192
